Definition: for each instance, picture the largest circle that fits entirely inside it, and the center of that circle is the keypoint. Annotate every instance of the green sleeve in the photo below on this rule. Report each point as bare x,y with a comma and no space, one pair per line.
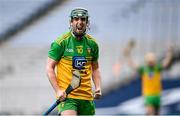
56,51
159,67
95,52
140,70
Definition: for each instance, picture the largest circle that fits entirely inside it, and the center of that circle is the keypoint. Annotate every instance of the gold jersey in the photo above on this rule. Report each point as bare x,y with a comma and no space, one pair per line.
151,80
73,54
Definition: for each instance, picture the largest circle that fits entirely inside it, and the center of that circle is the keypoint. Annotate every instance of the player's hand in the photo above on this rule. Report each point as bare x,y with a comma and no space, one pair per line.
97,94
61,94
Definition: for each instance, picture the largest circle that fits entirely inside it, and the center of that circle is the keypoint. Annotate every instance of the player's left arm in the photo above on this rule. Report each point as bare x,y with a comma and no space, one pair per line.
96,79
168,58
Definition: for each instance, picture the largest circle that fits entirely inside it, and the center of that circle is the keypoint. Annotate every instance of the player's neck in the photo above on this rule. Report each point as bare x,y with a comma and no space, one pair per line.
78,37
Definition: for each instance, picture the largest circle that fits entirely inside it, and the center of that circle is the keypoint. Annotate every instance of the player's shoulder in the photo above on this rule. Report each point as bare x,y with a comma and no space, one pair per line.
63,37
141,68
159,66
91,39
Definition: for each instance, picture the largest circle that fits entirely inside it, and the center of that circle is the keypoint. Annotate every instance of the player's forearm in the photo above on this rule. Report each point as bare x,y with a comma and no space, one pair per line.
52,79
96,79
167,59
131,63
50,68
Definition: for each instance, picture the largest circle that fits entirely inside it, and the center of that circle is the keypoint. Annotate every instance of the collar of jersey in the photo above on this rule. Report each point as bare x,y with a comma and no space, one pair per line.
74,37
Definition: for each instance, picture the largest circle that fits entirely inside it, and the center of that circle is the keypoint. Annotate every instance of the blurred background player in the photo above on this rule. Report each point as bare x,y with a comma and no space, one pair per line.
150,74
75,50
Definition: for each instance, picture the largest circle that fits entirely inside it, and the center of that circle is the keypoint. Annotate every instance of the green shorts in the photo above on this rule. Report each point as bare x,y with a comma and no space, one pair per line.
153,100
83,107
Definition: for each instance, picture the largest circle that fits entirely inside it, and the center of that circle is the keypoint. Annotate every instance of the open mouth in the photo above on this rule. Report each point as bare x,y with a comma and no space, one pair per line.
80,28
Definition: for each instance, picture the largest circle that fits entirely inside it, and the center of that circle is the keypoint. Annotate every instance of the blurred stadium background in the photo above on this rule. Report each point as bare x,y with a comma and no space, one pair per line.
28,27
